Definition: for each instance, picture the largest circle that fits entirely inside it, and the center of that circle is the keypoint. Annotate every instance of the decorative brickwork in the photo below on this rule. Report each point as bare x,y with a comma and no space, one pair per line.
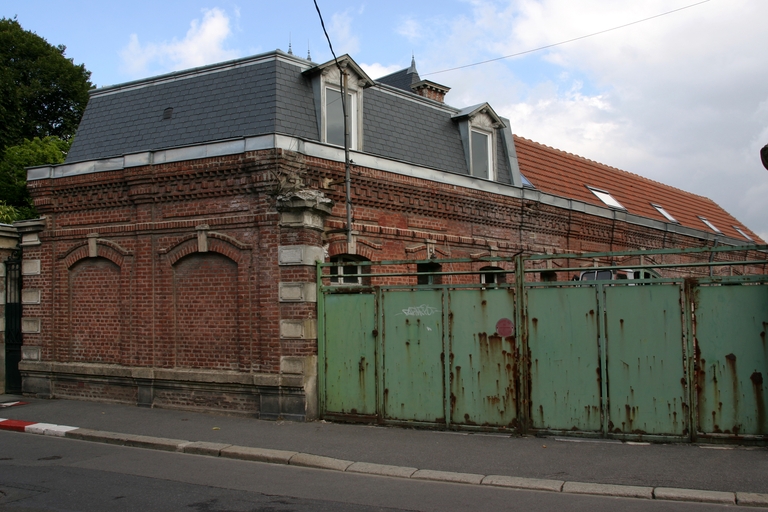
186,284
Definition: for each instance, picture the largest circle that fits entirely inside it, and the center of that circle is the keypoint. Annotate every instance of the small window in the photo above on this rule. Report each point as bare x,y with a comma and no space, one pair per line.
742,233
665,213
606,198
482,160
488,276
346,271
334,118
710,225
423,278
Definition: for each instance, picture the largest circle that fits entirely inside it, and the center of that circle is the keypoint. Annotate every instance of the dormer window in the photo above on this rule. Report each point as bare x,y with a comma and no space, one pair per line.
327,82
482,154
478,128
334,117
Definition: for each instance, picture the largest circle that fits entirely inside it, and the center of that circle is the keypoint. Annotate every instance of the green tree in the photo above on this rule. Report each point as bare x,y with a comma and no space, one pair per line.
15,201
41,91
42,97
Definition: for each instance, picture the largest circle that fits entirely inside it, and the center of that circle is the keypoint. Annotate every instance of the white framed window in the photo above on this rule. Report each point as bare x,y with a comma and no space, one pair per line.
347,272
710,225
606,198
334,117
481,151
665,213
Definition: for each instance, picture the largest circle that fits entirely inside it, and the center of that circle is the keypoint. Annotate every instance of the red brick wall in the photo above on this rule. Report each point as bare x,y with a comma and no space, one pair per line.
95,317
205,303
170,306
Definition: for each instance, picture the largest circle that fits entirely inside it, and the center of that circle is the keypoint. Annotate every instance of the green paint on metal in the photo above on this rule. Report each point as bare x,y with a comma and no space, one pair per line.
413,356
647,390
483,378
565,378
732,377
350,356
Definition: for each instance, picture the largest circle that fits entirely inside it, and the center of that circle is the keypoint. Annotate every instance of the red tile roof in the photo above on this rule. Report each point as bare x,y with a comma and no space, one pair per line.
564,174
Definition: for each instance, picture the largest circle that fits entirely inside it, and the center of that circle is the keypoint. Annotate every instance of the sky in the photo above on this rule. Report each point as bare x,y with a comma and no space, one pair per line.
681,98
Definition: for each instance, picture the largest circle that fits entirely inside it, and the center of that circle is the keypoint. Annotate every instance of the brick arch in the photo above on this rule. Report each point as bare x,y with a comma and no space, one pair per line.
103,250
340,247
216,244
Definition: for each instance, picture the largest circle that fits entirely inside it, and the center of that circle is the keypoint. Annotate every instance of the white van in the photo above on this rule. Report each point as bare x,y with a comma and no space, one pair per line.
607,275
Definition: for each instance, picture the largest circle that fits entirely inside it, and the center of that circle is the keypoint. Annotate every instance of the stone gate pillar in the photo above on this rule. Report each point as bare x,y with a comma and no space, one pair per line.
302,220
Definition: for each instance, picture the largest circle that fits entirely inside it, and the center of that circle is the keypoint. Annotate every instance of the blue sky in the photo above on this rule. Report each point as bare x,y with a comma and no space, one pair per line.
681,98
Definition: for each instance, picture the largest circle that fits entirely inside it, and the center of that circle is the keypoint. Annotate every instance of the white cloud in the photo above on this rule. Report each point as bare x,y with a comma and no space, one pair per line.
680,98
202,44
410,29
341,34
376,70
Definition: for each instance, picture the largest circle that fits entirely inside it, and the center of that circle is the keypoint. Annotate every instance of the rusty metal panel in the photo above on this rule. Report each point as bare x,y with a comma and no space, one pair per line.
732,359
565,381
483,358
350,356
645,366
413,367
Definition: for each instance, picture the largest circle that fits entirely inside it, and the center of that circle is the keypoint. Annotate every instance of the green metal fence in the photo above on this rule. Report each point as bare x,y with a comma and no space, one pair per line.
681,357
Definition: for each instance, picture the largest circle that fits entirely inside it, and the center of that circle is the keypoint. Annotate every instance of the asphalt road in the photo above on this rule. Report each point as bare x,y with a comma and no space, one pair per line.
39,473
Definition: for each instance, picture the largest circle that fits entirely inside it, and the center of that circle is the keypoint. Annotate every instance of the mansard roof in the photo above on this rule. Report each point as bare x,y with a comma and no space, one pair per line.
272,93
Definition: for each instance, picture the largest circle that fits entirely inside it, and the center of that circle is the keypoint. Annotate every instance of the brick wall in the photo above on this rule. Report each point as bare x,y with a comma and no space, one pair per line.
190,267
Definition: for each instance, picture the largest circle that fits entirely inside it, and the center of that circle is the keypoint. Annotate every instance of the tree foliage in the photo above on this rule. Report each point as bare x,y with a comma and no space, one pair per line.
43,95
15,202
42,92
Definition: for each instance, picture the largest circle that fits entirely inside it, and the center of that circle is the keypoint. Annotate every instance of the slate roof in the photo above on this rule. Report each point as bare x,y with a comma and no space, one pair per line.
219,102
402,79
564,174
270,93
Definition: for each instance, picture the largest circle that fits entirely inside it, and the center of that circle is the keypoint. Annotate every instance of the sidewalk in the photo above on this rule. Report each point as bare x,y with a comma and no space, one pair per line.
568,464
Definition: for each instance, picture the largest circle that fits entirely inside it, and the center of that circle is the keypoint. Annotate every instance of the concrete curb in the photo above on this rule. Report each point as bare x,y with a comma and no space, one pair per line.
257,454
620,491
751,499
448,476
329,463
308,460
531,484
672,494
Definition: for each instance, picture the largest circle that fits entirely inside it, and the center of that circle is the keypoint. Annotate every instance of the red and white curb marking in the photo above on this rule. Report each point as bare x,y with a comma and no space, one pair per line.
32,427
11,404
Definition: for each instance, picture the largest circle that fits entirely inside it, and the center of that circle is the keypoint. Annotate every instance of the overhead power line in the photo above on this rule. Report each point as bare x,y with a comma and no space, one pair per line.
566,41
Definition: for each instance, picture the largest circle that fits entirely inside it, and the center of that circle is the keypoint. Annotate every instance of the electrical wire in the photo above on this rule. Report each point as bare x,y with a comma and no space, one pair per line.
566,41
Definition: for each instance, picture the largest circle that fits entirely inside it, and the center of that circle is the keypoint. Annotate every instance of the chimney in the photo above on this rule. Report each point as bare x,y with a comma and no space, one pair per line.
430,90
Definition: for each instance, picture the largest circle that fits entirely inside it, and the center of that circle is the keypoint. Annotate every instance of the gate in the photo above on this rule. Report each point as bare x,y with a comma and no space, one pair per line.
12,324
679,354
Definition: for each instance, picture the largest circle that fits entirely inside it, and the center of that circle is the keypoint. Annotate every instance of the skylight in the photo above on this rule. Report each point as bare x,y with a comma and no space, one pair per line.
665,213
742,233
710,225
606,198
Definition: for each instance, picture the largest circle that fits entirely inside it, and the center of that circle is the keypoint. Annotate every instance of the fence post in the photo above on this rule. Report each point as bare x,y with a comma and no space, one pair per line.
523,353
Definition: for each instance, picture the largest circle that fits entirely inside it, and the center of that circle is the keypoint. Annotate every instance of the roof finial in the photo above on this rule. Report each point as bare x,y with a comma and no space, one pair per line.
290,50
412,69
309,56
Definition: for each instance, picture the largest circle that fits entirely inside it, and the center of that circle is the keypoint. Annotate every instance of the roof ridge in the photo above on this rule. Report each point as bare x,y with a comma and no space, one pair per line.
617,169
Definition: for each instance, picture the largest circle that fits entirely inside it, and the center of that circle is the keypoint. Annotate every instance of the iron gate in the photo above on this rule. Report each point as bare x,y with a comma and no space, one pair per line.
670,358
13,324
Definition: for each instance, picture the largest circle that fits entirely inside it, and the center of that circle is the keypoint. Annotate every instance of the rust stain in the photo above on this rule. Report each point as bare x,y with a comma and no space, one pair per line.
757,385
